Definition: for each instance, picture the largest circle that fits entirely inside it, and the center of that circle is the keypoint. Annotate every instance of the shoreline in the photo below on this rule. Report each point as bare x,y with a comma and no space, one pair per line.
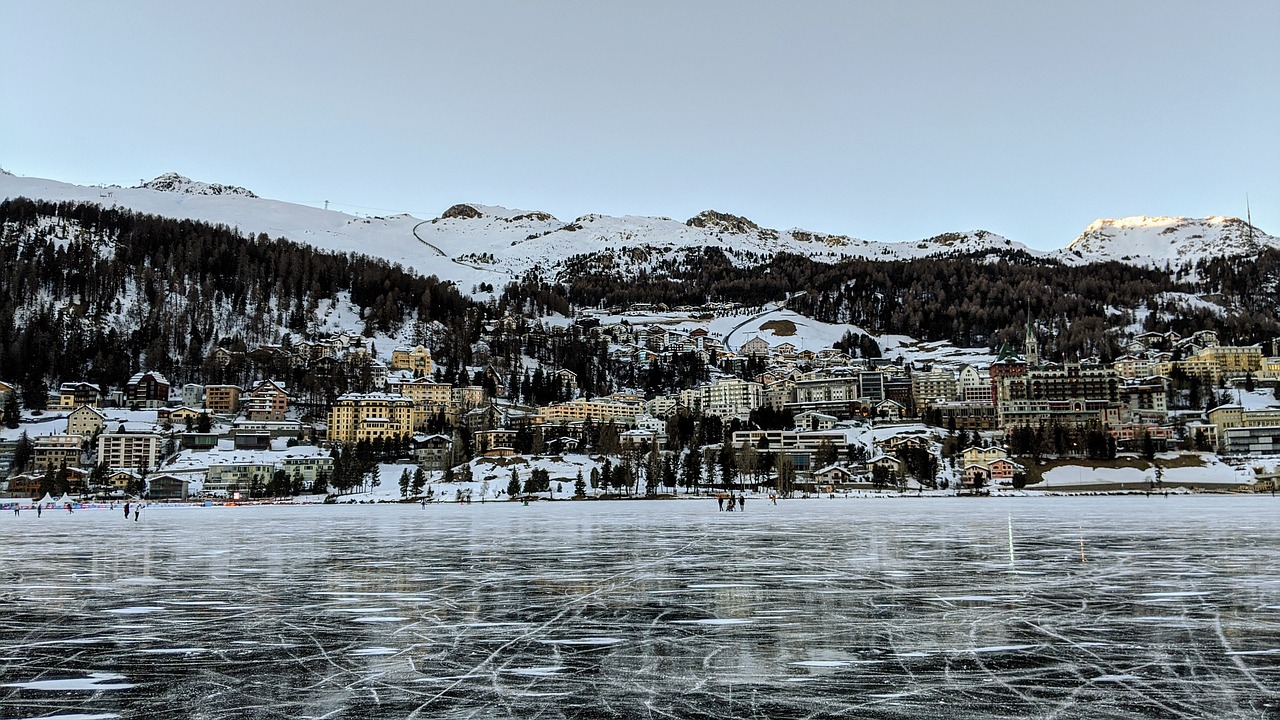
8,504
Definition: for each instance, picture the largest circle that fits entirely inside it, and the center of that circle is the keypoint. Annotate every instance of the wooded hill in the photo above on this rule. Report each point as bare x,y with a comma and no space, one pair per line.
95,293
971,301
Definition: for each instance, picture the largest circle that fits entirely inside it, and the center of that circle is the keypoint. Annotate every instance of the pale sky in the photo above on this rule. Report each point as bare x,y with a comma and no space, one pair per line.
880,120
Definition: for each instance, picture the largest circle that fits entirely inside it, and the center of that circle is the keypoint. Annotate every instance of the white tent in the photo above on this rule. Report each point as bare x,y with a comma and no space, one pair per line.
44,500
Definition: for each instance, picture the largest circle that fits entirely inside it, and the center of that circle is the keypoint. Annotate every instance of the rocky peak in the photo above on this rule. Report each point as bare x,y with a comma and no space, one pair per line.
175,183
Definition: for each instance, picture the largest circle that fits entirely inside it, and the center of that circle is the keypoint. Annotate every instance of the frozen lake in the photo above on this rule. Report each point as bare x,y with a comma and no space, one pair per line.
1091,607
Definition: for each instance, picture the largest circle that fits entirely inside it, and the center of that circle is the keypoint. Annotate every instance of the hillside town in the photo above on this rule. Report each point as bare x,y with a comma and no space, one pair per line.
770,417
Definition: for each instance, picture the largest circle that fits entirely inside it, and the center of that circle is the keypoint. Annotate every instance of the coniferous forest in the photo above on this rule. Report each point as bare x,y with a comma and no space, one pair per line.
95,293
971,301
99,293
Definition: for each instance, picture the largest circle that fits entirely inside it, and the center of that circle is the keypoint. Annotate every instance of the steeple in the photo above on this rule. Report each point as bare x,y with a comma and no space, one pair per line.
1033,345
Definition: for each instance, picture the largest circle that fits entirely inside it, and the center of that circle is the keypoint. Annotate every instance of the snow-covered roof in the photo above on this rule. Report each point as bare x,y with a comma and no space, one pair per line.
137,377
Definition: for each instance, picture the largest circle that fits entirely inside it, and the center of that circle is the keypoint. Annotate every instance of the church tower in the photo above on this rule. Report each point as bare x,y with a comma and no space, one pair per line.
1033,346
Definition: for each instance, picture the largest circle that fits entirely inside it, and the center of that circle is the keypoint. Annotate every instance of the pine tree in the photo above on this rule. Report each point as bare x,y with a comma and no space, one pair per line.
23,452
419,480
12,415
405,481
513,486
606,476
579,485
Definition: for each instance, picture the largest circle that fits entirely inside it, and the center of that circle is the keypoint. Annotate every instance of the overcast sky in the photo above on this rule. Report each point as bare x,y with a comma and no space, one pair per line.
881,120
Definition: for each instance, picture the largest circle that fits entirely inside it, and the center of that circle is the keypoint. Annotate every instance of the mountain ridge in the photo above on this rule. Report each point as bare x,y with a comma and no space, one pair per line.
474,243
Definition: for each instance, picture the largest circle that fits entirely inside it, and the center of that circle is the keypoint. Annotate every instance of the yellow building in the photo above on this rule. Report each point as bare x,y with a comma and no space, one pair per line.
598,410
429,397
86,422
355,417
222,399
416,359
1270,369
51,452
1227,417
1214,363
1233,361
74,394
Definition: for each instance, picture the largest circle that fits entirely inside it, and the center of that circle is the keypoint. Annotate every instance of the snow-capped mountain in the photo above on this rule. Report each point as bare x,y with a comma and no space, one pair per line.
1157,241
473,244
175,183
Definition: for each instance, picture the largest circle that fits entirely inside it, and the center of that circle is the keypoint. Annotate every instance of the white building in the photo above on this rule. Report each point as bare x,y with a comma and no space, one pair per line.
129,451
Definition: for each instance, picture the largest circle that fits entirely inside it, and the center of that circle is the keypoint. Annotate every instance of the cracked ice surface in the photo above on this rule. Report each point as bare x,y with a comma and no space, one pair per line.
901,608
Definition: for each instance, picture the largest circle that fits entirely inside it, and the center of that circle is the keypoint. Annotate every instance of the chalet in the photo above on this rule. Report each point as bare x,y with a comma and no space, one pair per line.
569,380
836,477
6,389
24,486
122,480
983,456
433,452
488,417
785,350
267,400
1003,469
909,441
975,476
74,394
225,357
345,342
147,389
755,347
182,416
655,338
891,465
890,410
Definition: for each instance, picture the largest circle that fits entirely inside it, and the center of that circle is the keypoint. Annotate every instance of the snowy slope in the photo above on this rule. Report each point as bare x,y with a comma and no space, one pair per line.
516,241
1157,241
176,197
473,243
